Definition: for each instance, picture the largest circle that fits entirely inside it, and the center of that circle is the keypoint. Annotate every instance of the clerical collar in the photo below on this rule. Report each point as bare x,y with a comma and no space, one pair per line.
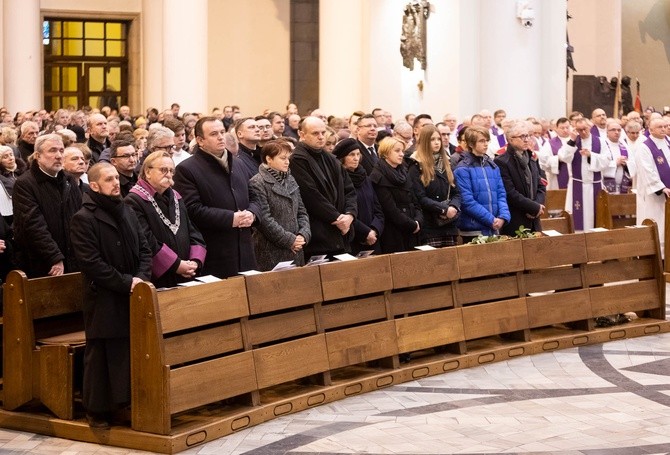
46,173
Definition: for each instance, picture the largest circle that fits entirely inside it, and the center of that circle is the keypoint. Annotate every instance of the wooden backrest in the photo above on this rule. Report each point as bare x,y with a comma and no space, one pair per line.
554,201
615,210
562,223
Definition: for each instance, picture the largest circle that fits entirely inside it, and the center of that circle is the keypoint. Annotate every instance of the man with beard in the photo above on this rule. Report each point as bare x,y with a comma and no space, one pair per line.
114,257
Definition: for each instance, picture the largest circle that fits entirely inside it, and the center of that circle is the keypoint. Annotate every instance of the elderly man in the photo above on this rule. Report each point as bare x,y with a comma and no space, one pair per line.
327,192
216,194
653,176
28,134
523,180
44,200
586,160
75,165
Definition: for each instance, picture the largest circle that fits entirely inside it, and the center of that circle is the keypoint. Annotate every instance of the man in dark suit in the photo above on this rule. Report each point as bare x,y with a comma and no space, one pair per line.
524,181
445,134
366,135
216,194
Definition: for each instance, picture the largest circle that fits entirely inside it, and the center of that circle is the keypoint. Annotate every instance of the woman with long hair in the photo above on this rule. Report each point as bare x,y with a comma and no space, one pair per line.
435,189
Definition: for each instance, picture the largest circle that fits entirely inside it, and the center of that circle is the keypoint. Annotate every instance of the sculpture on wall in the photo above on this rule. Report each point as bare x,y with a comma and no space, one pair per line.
413,36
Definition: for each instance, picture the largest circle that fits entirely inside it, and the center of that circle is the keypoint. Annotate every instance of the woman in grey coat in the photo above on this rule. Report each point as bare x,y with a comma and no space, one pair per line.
283,228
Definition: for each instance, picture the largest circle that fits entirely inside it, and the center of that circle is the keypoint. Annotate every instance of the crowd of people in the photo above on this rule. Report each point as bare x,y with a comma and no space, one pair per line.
165,197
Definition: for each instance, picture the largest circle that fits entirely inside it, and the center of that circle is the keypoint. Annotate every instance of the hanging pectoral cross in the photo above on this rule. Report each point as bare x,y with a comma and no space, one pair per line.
660,160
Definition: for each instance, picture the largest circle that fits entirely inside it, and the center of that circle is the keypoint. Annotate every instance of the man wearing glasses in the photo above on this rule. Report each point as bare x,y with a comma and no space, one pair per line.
124,159
585,162
366,135
524,181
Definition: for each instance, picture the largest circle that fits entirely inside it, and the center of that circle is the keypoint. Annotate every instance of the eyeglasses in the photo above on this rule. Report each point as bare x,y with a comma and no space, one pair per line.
265,127
523,137
165,148
614,129
126,156
164,170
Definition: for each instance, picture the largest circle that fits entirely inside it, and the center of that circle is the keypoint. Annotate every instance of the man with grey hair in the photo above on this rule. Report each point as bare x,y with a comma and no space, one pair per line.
403,132
525,182
616,177
27,135
44,200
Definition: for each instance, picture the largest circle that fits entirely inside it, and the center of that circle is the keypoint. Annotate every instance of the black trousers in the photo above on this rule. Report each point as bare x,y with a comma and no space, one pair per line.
106,385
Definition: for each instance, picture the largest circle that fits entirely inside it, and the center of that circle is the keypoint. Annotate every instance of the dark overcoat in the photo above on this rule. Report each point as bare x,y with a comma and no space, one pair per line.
212,196
43,207
520,200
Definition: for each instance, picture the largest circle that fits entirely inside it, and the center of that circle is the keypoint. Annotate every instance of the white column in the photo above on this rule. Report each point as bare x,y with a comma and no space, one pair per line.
185,54
521,66
22,55
152,57
343,46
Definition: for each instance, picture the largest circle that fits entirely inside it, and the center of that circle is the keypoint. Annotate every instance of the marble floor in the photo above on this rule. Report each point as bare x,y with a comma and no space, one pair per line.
609,399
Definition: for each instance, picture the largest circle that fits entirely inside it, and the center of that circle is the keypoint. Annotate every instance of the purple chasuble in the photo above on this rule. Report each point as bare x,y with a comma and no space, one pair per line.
563,175
660,161
577,190
500,137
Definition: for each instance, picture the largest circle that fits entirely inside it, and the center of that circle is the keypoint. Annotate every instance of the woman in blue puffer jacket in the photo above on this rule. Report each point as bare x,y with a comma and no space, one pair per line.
483,199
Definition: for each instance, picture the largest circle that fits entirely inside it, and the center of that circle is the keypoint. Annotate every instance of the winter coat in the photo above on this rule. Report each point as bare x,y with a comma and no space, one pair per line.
522,203
483,196
212,196
97,241
401,209
326,197
43,207
370,213
283,216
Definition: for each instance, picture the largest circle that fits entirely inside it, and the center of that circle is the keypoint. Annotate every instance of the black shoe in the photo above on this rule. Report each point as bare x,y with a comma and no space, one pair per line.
97,421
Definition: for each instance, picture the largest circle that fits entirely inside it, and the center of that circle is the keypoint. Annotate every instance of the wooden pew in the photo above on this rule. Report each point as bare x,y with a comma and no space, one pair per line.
43,327
615,210
554,202
562,223
188,349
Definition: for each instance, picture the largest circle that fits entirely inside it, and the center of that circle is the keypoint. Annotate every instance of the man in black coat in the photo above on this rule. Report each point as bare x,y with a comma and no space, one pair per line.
26,145
327,191
216,193
114,256
45,199
525,182
367,135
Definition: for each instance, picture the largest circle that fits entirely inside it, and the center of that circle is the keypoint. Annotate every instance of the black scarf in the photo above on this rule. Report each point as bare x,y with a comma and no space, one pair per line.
129,245
358,176
280,176
396,176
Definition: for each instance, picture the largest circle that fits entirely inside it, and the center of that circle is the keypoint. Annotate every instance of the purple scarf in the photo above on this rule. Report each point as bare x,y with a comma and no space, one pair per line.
563,175
660,161
577,189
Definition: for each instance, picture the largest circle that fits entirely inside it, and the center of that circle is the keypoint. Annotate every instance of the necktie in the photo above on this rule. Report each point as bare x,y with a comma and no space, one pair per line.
372,150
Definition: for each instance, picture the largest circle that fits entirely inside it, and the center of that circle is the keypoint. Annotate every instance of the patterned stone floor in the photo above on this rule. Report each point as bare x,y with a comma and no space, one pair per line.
610,399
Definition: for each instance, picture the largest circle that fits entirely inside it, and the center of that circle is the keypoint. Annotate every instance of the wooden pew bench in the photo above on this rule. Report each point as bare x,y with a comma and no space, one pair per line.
615,210
562,223
43,329
188,349
554,202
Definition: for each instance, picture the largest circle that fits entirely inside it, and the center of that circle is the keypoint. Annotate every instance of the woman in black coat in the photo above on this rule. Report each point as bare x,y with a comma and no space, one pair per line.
176,245
369,224
402,213
435,189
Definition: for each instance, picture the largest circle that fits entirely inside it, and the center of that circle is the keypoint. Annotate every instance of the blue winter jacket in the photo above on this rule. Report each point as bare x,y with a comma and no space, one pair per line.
483,196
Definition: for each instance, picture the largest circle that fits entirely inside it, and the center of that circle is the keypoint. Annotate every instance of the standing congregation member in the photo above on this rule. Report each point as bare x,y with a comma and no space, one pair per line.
10,169
114,258
44,200
435,188
484,208
555,169
586,159
402,213
216,195
616,177
124,158
327,191
283,224
369,224
177,246
523,180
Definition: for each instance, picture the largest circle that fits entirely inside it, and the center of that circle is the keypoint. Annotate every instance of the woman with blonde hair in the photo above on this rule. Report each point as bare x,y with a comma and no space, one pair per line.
435,189
402,214
177,246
